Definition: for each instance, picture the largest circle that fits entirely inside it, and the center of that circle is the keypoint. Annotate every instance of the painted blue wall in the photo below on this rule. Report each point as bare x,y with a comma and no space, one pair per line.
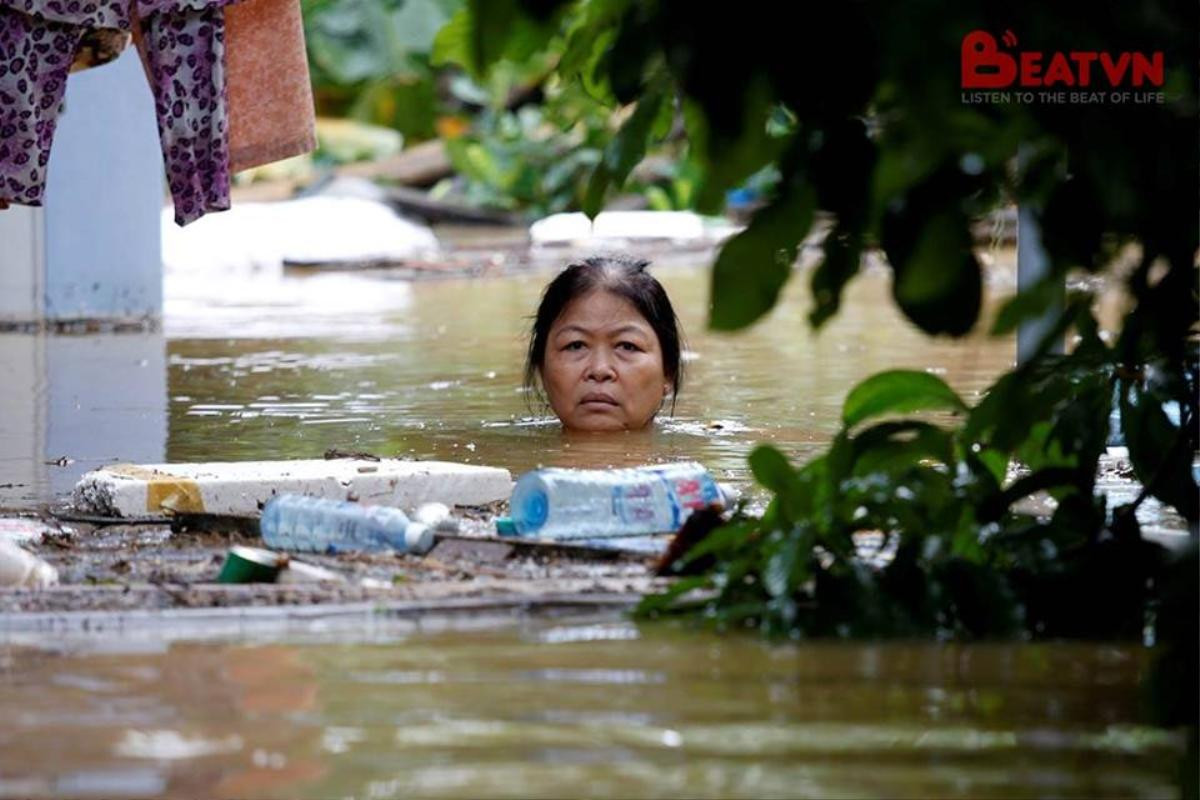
104,197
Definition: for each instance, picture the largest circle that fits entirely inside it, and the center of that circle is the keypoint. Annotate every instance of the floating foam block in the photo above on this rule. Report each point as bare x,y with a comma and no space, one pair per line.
241,488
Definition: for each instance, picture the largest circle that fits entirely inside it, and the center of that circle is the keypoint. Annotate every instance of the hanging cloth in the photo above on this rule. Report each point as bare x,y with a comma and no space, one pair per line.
183,49
271,113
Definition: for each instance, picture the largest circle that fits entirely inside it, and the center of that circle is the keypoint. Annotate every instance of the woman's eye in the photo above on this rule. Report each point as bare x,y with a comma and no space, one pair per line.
576,345
630,346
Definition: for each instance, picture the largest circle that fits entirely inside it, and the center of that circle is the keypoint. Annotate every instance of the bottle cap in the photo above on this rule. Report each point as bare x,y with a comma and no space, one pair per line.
431,514
505,526
418,538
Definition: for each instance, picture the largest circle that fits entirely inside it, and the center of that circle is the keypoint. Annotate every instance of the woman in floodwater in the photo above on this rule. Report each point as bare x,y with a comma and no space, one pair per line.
605,346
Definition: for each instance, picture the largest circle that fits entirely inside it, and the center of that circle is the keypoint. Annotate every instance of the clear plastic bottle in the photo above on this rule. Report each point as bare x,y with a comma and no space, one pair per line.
315,525
608,504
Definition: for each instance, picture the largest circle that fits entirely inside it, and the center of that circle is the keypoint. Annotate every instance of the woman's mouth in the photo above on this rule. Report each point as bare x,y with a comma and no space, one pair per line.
598,400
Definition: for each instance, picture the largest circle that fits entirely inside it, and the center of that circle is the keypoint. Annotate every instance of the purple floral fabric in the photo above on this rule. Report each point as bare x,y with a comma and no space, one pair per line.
80,13
184,51
185,54
35,57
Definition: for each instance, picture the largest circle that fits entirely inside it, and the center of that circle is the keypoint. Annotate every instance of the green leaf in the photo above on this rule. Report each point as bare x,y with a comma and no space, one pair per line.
729,160
771,468
843,249
623,153
939,286
1030,303
658,199
488,31
589,36
451,45
665,120
898,392
928,242
1159,450
597,187
629,146
897,446
492,22
814,493
725,541
663,602
754,265
482,163
995,462
417,23
782,576
1042,449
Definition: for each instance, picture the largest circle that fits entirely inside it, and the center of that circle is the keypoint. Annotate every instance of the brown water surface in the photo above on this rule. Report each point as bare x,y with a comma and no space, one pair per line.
262,367
251,368
559,708
439,376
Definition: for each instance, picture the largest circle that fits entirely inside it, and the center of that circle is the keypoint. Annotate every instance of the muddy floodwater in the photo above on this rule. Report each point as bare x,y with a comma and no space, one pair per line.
257,367
253,368
572,707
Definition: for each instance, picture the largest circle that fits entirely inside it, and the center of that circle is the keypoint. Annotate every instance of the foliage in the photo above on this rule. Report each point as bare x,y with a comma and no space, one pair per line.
538,157
887,145
370,60
520,135
966,559
543,141
862,118
861,113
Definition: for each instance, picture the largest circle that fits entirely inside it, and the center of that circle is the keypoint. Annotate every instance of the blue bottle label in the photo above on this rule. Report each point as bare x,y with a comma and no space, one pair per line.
637,506
663,503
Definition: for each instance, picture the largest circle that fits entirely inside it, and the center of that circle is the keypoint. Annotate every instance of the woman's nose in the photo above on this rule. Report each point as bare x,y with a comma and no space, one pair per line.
601,366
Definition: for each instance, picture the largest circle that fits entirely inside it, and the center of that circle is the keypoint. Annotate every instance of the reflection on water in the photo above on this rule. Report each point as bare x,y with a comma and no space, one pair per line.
69,404
598,707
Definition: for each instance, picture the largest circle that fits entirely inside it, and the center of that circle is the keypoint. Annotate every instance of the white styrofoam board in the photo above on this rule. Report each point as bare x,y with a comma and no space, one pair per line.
241,488
576,227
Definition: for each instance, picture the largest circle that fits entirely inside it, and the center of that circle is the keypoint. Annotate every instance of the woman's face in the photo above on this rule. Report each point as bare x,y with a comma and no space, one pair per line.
603,367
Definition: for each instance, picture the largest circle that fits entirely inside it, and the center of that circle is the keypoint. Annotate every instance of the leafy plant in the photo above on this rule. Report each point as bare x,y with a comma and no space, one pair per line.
536,158
893,155
544,141
861,114
964,557
370,60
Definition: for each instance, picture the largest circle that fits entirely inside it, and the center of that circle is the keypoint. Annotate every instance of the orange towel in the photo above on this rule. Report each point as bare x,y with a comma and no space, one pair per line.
271,113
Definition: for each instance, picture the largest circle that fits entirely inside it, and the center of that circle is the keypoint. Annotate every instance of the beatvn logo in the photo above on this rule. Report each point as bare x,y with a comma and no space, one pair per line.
985,65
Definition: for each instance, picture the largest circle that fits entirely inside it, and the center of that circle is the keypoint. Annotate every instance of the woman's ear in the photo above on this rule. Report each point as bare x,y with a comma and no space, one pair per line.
666,389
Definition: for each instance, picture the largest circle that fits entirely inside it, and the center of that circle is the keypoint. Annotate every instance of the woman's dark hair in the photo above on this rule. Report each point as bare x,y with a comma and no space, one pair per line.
624,277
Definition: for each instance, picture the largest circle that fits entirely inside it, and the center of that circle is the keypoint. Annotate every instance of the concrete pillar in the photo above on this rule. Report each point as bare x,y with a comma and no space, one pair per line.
94,251
1032,265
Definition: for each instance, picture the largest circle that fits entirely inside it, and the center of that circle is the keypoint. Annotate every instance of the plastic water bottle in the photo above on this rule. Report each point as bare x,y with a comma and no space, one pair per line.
315,525
608,504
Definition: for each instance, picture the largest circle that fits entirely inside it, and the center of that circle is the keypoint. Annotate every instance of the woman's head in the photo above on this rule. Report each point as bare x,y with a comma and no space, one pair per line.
605,345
